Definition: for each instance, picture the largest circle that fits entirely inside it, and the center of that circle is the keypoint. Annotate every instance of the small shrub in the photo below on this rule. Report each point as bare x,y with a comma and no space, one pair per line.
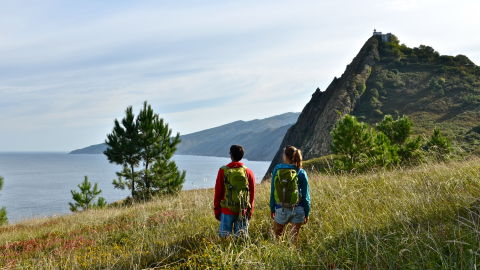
85,198
396,130
411,152
438,145
437,86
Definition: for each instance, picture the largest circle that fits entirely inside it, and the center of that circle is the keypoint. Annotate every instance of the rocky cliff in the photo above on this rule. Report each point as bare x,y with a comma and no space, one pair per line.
311,132
387,77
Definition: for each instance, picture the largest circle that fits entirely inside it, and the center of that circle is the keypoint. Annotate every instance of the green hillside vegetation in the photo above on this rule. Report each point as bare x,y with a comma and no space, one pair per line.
433,90
359,147
420,218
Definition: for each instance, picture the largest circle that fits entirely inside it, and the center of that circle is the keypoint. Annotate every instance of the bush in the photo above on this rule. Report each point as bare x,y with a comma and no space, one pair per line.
411,151
396,130
438,145
437,86
358,148
384,153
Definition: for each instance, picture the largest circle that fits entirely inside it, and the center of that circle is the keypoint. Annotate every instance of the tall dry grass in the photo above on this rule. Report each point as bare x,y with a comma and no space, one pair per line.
420,218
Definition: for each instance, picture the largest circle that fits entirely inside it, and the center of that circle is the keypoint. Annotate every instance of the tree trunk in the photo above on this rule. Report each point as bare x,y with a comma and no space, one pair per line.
133,182
147,183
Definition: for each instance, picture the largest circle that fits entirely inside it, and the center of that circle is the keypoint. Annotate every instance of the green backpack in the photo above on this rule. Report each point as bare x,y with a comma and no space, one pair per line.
237,197
286,187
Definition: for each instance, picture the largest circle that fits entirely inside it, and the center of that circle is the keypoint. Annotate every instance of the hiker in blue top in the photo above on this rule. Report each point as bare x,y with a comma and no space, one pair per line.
289,194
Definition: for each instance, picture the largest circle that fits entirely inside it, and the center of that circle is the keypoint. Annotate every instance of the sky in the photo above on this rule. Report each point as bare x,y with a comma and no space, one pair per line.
69,68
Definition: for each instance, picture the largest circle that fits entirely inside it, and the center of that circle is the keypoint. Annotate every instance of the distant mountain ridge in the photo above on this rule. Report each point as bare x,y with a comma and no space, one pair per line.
92,149
260,137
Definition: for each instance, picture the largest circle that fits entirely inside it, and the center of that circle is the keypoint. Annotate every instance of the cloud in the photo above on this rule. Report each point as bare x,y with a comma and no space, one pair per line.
67,69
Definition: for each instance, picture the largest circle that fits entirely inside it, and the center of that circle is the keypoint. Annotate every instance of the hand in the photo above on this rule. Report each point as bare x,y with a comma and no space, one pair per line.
272,215
218,213
305,220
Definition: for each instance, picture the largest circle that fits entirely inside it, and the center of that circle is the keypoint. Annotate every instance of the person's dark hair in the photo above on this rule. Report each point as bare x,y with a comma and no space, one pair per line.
294,155
236,152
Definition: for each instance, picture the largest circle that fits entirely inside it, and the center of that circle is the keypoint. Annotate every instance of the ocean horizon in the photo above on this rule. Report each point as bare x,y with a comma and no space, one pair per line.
38,184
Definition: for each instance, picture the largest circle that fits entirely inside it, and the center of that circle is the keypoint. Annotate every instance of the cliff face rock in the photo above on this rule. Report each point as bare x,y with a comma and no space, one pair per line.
311,133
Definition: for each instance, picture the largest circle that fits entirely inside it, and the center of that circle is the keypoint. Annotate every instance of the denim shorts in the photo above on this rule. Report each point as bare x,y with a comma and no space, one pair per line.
295,215
232,224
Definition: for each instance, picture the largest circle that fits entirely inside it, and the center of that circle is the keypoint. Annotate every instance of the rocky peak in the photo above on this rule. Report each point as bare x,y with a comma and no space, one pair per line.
311,133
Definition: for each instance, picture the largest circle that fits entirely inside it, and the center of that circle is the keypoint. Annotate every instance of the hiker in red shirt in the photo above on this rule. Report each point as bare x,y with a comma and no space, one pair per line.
234,195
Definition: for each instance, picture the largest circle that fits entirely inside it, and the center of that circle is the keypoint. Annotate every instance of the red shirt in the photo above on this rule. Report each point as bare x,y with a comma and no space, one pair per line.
220,190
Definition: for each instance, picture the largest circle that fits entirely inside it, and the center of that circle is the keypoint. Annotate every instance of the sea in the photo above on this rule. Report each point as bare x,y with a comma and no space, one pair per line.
39,184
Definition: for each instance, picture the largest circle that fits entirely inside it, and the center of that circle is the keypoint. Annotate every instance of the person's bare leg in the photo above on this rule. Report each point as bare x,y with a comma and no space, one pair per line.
295,232
278,229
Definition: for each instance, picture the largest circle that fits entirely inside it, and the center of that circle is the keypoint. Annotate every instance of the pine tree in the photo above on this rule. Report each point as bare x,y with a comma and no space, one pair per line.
3,211
411,151
159,174
384,154
399,131
123,148
396,130
352,141
85,198
438,145
166,178
144,147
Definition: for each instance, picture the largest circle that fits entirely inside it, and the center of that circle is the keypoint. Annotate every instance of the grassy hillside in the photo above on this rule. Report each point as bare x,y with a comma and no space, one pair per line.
420,218
433,90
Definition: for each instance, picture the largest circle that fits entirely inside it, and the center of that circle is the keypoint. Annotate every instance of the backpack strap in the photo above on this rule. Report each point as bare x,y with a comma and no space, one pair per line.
225,171
298,185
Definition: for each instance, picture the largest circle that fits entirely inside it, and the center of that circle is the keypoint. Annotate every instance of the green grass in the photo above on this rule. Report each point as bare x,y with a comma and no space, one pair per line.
420,218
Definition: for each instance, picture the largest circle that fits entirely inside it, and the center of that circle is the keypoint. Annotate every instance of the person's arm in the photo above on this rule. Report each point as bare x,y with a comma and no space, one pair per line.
305,192
251,189
219,194
272,196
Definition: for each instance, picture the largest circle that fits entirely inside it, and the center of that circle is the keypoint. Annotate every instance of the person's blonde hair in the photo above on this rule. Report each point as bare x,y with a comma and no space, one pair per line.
294,155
